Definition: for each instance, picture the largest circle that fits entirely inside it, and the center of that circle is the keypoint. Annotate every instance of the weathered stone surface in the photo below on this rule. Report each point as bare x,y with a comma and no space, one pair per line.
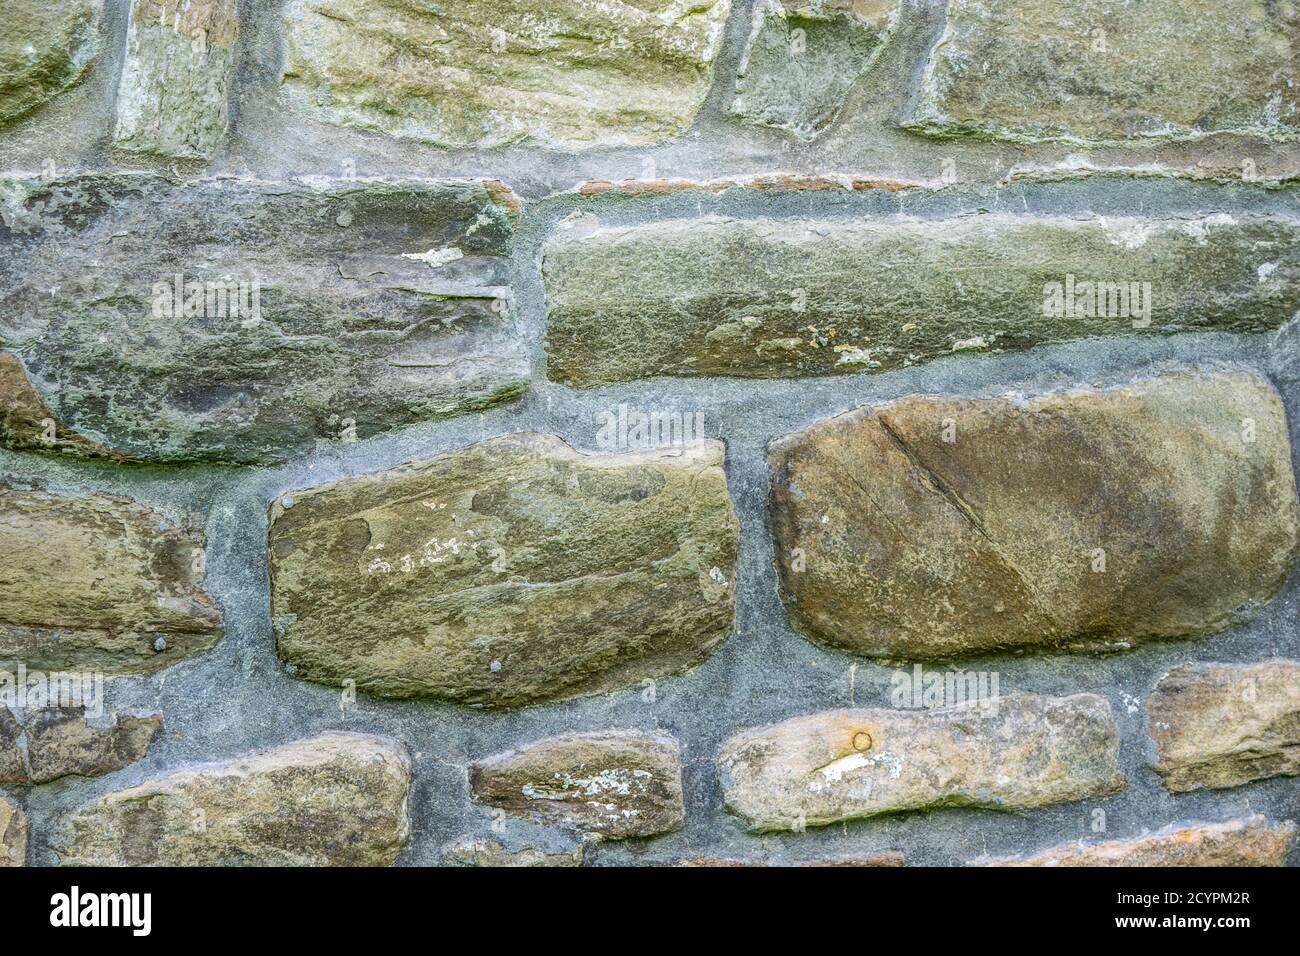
1251,841
94,583
12,767
334,800
485,73
507,572
44,49
888,858
615,784
491,853
172,96
377,304
1093,70
13,834
60,742
1081,520
803,57
1222,725
835,297
1013,753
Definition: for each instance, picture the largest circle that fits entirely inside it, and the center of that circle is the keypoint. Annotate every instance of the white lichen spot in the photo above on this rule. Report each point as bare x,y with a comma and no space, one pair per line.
1266,270
435,257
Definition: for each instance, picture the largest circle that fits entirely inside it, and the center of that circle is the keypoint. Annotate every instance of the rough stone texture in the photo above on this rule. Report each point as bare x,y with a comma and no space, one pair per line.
803,57
13,768
835,297
1251,841
92,583
13,834
334,800
1014,753
379,305
564,73
511,571
914,546
614,784
891,858
61,742
172,96
44,49
1094,70
1222,725
491,853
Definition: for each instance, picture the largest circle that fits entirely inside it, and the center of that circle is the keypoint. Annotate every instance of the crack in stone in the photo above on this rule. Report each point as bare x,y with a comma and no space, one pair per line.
939,486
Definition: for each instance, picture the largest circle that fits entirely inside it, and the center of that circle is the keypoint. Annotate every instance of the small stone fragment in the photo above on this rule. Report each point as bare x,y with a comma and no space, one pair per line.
339,799
1013,753
1222,725
13,834
1084,520
508,572
88,583
1252,841
60,742
803,57
491,853
615,784
171,100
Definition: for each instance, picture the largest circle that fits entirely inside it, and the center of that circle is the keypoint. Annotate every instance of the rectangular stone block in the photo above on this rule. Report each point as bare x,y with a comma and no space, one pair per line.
487,73
612,784
1222,725
1095,71
1250,841
171,100
339,799
99,583
245,321
1013,753
759,298
508,572
1080,520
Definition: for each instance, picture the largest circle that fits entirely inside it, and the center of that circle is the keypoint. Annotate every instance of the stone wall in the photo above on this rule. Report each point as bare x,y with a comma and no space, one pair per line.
556,433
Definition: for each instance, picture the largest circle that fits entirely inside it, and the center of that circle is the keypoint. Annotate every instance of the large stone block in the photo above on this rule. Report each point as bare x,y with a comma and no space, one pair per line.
1098,71
1078,520
485,73
761,298
508,572
1013,753
98,583
334,800
1222,725
237,320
